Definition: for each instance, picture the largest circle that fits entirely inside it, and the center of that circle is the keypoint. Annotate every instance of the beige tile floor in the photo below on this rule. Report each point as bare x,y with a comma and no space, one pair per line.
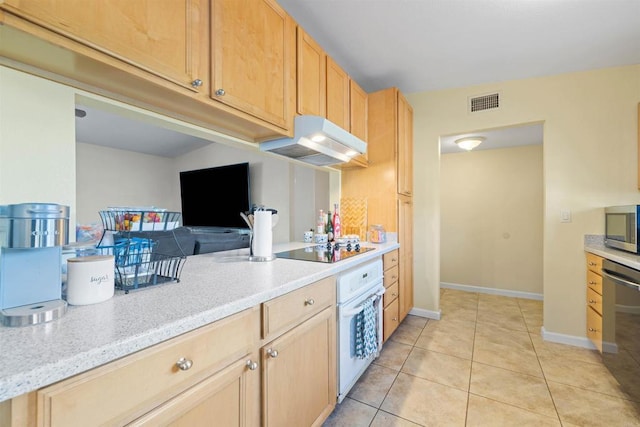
485,364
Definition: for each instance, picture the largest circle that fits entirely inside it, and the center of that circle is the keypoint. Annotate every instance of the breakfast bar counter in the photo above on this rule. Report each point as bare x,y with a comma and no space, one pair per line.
212,286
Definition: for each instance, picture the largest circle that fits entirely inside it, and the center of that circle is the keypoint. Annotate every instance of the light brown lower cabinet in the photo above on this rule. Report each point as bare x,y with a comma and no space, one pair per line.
228,398
299,373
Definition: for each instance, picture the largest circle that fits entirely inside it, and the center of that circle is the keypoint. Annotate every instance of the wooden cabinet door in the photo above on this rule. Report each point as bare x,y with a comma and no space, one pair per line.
337,94
253,58
299,381
358,113
229,398
390,319
311,73
405,238
405,146
162,37
594,328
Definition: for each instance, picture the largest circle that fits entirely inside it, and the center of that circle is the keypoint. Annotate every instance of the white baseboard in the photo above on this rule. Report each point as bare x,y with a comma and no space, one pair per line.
607,347
493,291
583,342
429,314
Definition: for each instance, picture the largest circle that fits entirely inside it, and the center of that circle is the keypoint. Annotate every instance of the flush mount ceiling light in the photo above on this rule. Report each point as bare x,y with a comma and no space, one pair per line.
470,142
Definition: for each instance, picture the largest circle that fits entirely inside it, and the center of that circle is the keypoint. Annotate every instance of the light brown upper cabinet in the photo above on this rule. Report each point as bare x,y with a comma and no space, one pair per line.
162,37
405,146
253,58
337,95
359,109
312,71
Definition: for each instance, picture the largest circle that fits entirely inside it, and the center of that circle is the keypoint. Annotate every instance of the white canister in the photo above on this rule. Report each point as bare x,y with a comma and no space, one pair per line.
90,279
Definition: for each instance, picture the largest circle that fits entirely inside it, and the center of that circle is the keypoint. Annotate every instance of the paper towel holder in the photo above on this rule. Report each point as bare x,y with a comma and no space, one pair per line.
256,258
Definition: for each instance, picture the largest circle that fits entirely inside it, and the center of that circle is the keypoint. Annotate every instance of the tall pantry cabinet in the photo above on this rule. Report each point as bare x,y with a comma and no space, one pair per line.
387,183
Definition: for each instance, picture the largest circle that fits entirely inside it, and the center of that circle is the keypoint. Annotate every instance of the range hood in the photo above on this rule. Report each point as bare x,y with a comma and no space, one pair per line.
317,141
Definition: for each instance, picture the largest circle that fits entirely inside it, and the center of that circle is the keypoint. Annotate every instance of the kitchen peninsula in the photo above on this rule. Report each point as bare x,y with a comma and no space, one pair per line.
212,287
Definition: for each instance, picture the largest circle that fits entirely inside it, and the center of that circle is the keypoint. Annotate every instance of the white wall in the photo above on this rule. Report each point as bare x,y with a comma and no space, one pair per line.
37,141
590,161
491,218
111,177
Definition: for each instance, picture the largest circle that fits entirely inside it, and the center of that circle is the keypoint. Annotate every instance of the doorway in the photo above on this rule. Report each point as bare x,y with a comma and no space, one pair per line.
491,210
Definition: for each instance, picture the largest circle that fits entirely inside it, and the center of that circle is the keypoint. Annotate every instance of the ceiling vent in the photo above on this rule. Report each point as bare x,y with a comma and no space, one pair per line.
484,102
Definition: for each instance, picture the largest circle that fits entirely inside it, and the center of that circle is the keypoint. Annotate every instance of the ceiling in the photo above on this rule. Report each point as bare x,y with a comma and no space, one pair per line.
426,45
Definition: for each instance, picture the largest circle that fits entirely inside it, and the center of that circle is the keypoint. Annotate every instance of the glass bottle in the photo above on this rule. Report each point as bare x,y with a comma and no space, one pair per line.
329,229
337,227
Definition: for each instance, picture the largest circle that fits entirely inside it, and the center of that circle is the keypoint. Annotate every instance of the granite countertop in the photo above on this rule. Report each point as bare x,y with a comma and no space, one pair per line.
595,245
212,286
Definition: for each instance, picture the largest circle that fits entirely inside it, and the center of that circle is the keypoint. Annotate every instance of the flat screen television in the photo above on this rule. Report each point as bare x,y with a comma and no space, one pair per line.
214,197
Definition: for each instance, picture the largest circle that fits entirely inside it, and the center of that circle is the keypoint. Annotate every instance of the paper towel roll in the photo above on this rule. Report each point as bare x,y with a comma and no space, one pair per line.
262,234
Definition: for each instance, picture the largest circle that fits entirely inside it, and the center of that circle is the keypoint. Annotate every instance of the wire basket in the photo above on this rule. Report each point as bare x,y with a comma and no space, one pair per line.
132,219
138,266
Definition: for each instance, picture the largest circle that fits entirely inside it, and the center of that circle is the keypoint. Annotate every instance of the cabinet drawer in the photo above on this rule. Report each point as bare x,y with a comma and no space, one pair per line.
123,390
282,313
594,327
390,294
390,319
391,275
594,281
594,263
594,300
390,259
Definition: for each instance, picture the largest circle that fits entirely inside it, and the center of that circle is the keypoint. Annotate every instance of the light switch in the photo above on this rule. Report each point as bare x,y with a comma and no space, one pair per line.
565,215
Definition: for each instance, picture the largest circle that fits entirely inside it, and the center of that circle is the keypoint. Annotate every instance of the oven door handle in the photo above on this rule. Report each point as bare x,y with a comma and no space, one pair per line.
358,309
620,281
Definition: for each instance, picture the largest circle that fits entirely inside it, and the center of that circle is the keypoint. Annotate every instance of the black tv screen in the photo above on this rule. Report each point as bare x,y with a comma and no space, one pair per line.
214,197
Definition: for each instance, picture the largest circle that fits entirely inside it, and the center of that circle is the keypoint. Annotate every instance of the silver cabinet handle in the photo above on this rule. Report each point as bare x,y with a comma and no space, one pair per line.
592,301
309,301
220,92
395,319
394,294
184,364
272,353
593,330
591,282
196,83
252,365
592,263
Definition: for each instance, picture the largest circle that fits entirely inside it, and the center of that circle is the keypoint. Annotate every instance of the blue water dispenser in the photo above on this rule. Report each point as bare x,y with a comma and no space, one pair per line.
31,240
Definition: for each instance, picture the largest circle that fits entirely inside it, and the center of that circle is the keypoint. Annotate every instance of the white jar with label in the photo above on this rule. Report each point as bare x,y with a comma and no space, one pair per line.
90,279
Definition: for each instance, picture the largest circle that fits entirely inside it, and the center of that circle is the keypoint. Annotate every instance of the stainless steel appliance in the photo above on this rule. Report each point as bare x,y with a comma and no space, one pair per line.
621,227
317,141
355,287
31,240
621,326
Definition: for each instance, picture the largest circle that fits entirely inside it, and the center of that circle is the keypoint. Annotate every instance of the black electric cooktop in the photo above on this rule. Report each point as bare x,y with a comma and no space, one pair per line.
324,253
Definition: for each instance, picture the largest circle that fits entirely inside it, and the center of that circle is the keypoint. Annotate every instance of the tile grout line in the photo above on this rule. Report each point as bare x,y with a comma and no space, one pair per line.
555,407
473,347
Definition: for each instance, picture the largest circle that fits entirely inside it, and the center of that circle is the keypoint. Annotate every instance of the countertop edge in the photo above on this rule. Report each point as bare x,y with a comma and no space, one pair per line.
625,258
18,383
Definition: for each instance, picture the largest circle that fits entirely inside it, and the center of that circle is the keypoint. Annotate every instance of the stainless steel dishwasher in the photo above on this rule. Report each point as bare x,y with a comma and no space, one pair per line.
621,286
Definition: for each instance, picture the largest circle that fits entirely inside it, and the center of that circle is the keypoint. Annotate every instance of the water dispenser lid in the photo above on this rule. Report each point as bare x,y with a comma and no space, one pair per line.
35,211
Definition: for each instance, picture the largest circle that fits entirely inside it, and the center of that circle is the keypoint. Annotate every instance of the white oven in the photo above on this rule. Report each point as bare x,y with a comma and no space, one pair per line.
355,288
